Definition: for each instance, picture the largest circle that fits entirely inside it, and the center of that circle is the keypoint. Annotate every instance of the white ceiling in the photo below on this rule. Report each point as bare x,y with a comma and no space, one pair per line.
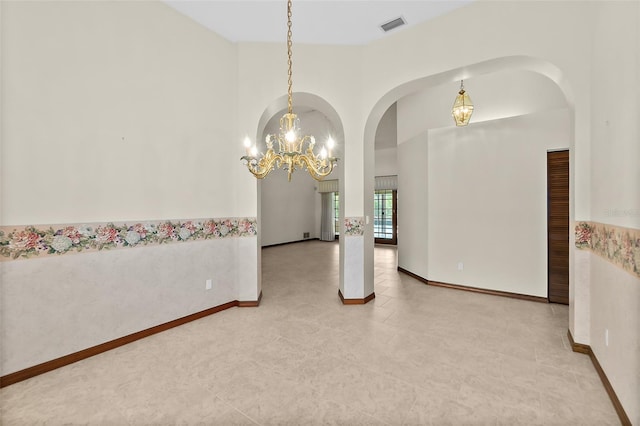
346,22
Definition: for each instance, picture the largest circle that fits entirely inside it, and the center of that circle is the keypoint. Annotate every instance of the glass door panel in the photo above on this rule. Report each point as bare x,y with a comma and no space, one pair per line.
384,217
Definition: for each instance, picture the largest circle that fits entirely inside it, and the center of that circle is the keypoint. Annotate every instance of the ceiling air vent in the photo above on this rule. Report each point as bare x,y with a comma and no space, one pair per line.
394,23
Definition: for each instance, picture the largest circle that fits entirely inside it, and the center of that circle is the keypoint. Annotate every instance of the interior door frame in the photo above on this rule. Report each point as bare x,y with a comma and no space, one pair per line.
551,296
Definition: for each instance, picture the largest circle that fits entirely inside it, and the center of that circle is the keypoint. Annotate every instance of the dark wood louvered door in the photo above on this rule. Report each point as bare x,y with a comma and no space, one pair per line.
558,226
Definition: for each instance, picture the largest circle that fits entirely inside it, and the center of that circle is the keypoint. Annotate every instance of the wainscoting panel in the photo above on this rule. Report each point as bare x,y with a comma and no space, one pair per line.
53,306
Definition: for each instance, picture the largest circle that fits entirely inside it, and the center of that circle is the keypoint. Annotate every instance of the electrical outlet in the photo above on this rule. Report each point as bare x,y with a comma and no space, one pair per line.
460,266
606,337
305,235
207,285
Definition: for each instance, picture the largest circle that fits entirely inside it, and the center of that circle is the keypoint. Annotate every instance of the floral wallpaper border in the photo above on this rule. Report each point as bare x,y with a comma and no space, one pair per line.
23,242
353,226
620,246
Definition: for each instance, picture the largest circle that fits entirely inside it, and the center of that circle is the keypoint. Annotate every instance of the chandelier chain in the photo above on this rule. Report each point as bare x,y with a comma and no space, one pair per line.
289,61
293,151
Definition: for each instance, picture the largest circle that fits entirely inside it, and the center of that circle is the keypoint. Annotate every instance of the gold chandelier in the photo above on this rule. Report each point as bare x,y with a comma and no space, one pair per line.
462,107
294,151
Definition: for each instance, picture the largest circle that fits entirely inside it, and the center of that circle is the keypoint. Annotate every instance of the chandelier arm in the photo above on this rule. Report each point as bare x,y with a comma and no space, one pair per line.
318,169
267,163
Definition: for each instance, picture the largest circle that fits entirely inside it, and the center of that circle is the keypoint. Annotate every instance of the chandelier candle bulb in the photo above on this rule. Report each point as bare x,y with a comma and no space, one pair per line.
247,145
291,136
330,144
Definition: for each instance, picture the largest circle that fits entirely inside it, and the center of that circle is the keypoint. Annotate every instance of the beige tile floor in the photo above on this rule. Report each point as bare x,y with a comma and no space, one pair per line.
416,355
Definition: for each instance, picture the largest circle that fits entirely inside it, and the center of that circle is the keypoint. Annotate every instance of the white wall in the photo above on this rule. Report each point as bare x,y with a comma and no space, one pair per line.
413,203
488,202
615,195
386,162
480,180
115,111
108,116
431,244
386,143
55,306
616,309
288,208
387,131
615,198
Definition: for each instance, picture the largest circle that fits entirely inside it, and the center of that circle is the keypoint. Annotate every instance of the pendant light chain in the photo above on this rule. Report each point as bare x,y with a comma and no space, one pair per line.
289,62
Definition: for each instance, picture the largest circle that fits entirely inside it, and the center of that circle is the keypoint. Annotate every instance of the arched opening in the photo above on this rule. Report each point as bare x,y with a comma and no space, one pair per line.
292,211
526,94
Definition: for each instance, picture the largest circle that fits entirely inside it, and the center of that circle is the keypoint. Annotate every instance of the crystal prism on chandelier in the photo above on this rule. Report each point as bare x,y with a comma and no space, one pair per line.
292,150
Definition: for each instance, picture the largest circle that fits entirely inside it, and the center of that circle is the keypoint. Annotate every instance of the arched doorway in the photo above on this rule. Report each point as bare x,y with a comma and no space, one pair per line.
289,211
415,253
